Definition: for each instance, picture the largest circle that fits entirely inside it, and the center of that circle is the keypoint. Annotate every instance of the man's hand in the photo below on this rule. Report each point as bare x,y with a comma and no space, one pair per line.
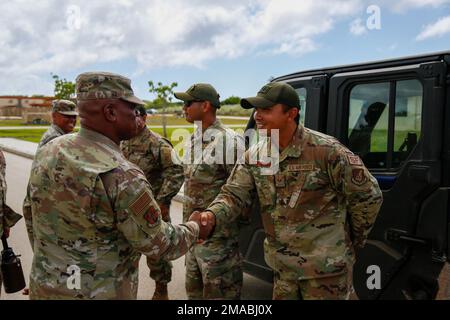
206,220
165,212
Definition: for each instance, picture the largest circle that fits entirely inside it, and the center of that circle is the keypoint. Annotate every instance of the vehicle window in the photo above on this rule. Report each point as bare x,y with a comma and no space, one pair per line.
302,95
368,122
369,133
408,118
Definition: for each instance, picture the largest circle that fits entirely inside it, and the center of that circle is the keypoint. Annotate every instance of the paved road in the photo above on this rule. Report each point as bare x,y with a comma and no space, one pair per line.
17,174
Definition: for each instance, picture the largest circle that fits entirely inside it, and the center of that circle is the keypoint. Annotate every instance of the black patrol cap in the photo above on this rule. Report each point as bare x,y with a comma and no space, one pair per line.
200,91
272,94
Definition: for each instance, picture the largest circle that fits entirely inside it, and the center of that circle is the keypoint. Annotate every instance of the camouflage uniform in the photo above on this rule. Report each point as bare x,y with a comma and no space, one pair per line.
153,154
65,107
319,205
8,218
214,267
53,132
94,210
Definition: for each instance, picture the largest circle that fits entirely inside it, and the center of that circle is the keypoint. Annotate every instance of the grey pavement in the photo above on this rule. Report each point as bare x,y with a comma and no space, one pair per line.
19,155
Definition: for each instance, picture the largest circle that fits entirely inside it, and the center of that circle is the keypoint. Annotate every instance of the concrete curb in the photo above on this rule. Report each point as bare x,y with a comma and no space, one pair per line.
17,152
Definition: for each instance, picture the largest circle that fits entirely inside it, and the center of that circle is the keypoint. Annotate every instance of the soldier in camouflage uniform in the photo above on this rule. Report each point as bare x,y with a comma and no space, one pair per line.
64,118
320,204
93,212
8,218
214,267
153,154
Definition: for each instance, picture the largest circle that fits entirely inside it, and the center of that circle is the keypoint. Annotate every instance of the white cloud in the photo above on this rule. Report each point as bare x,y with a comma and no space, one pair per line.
405,5
39,37
437,29
357,28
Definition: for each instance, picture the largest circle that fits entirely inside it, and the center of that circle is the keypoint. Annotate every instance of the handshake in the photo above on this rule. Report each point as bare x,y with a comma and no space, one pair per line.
206,220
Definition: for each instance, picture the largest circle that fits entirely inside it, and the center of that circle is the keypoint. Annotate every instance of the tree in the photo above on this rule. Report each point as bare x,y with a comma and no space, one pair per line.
164,94
231,100
63,89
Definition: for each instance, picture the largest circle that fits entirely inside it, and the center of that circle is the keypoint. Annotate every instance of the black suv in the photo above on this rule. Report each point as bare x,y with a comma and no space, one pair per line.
395,114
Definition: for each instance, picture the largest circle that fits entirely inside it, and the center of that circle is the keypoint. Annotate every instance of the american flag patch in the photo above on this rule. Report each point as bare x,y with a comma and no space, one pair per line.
141,204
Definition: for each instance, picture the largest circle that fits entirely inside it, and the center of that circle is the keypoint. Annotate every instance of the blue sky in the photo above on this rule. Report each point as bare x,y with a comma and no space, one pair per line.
234,45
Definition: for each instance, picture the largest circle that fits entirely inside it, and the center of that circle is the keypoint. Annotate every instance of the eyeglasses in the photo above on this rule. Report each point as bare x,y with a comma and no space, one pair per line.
187,104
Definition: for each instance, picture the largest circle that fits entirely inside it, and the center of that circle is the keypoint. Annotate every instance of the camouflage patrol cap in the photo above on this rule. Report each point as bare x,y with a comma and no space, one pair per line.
105,85
65,107
200,91
272,94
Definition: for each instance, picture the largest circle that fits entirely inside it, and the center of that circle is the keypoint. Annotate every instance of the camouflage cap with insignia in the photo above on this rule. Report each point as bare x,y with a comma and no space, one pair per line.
271,94
200,91
65,107
105,85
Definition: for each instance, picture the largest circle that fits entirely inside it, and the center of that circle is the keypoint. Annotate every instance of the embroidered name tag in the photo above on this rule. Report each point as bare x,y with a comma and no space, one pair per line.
300,167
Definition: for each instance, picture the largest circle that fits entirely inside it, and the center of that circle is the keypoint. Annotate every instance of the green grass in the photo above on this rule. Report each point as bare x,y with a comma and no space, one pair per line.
379,140
32,135
156,120
14,123
225,110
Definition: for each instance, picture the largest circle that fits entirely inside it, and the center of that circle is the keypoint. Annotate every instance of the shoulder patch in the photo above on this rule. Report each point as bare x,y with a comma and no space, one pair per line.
141,204
358,176
152,215
354,160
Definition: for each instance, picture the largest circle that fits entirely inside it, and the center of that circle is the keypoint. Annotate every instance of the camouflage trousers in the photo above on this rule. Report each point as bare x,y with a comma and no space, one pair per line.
338,287
221,279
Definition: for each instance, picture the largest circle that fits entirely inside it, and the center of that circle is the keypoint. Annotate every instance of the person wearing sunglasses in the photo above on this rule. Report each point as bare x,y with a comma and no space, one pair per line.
213,267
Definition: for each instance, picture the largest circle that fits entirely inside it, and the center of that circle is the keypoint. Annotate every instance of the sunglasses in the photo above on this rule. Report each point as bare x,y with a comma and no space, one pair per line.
189,103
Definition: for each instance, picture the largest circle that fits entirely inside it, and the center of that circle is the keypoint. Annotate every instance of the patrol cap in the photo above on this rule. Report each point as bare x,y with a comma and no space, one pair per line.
200,91
105,85
65,107
272,94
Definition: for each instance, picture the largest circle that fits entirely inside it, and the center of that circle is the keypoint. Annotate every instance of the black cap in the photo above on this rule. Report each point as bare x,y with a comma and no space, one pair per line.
272,94
200,91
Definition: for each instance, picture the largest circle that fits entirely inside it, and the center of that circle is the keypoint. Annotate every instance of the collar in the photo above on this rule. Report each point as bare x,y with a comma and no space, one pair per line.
98,137
58,129
295,147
